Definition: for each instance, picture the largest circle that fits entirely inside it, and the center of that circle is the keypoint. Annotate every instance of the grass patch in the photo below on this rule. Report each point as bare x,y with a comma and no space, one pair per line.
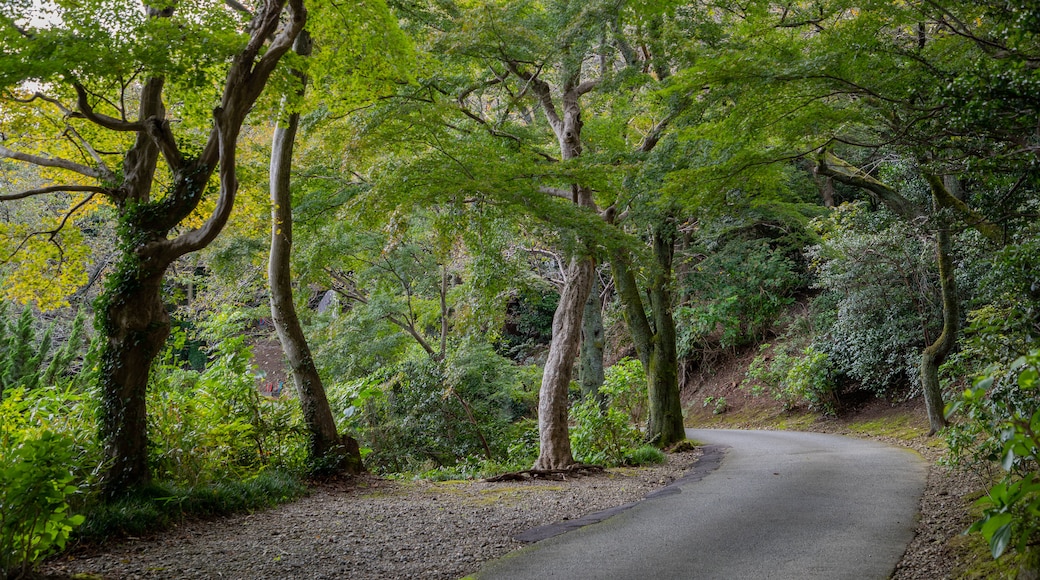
159,506
900,426
646,455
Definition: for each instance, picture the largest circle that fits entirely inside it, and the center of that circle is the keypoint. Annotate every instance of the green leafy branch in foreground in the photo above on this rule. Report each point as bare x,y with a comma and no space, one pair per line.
1007,408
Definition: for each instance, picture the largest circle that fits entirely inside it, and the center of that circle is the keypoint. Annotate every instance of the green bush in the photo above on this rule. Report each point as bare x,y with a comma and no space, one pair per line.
423,414
624,386
646,455
602,437
810,378
214,425
878,276
734,295
806,377
1003,412
36,481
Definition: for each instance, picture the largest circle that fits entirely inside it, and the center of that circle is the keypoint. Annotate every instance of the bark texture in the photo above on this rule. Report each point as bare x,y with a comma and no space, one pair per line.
655,338
329,451
553,436
592,343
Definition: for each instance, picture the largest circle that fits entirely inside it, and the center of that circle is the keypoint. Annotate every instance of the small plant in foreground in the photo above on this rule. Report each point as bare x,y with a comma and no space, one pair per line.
1004,412
646,455
35,484
718,405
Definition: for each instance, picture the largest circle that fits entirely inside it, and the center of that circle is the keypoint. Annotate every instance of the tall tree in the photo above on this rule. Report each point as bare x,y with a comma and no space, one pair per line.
95,76
785,86
329,451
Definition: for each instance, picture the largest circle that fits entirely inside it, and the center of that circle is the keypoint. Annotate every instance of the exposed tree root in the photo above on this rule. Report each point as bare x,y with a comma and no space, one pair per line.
554,474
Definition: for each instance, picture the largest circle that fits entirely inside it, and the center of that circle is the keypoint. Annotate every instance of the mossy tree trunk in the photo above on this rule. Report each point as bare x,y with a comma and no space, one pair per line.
655,336
592,343
935,354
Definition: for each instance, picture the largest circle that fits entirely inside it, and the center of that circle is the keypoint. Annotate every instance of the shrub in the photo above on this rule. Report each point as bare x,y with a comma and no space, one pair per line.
599,436
646,455
35,485
792,379
878,274
1003,412
735,295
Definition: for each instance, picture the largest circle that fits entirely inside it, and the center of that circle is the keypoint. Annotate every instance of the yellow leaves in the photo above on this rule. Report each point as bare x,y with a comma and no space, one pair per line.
46,271
44,267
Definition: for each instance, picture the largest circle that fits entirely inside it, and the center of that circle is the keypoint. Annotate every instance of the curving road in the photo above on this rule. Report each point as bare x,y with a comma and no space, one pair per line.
780,505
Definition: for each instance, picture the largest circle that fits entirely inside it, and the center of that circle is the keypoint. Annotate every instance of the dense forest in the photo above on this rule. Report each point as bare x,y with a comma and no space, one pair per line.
483,237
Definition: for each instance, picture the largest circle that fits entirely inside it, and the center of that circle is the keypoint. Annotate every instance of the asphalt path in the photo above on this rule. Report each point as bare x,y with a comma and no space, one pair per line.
763,505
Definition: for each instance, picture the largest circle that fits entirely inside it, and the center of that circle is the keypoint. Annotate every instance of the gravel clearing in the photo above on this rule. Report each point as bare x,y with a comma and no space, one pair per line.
372,528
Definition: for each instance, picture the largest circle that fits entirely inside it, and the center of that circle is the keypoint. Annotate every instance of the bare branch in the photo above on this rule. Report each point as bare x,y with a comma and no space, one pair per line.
87,111
50,162
55,189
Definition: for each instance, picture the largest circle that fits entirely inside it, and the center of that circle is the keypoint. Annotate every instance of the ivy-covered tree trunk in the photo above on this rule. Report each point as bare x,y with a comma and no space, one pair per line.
329,452
592,343
554,450
134,320
934,354
131,312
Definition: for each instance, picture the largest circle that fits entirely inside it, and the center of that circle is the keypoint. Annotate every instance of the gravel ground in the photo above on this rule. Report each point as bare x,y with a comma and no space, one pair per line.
372,528
375,528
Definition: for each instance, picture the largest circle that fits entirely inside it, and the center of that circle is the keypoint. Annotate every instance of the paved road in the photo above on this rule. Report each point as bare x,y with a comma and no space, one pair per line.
782,505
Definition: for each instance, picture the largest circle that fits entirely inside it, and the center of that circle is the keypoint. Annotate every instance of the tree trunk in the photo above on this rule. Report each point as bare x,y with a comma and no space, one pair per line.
137,325
656,344
554,440
666,420
329,452
591,375
935,353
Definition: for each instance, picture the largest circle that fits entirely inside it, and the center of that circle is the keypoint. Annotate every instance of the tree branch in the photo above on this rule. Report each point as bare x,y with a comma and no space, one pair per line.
50,162
55,189
88,112
829,164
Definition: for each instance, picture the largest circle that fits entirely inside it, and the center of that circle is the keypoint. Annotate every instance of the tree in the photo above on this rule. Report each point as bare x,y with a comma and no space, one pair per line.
329,451
786,87
93,77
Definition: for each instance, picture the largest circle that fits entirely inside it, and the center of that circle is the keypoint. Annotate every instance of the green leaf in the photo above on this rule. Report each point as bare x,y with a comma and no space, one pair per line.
998,542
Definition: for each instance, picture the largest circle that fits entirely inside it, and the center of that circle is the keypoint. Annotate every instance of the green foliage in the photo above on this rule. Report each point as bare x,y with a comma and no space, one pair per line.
878,275
624,385
806,377
734,294
164,504
212,425
423,414
603,437
646,455
718,405
1005,319
29,361
1003,412
606,435
36,481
